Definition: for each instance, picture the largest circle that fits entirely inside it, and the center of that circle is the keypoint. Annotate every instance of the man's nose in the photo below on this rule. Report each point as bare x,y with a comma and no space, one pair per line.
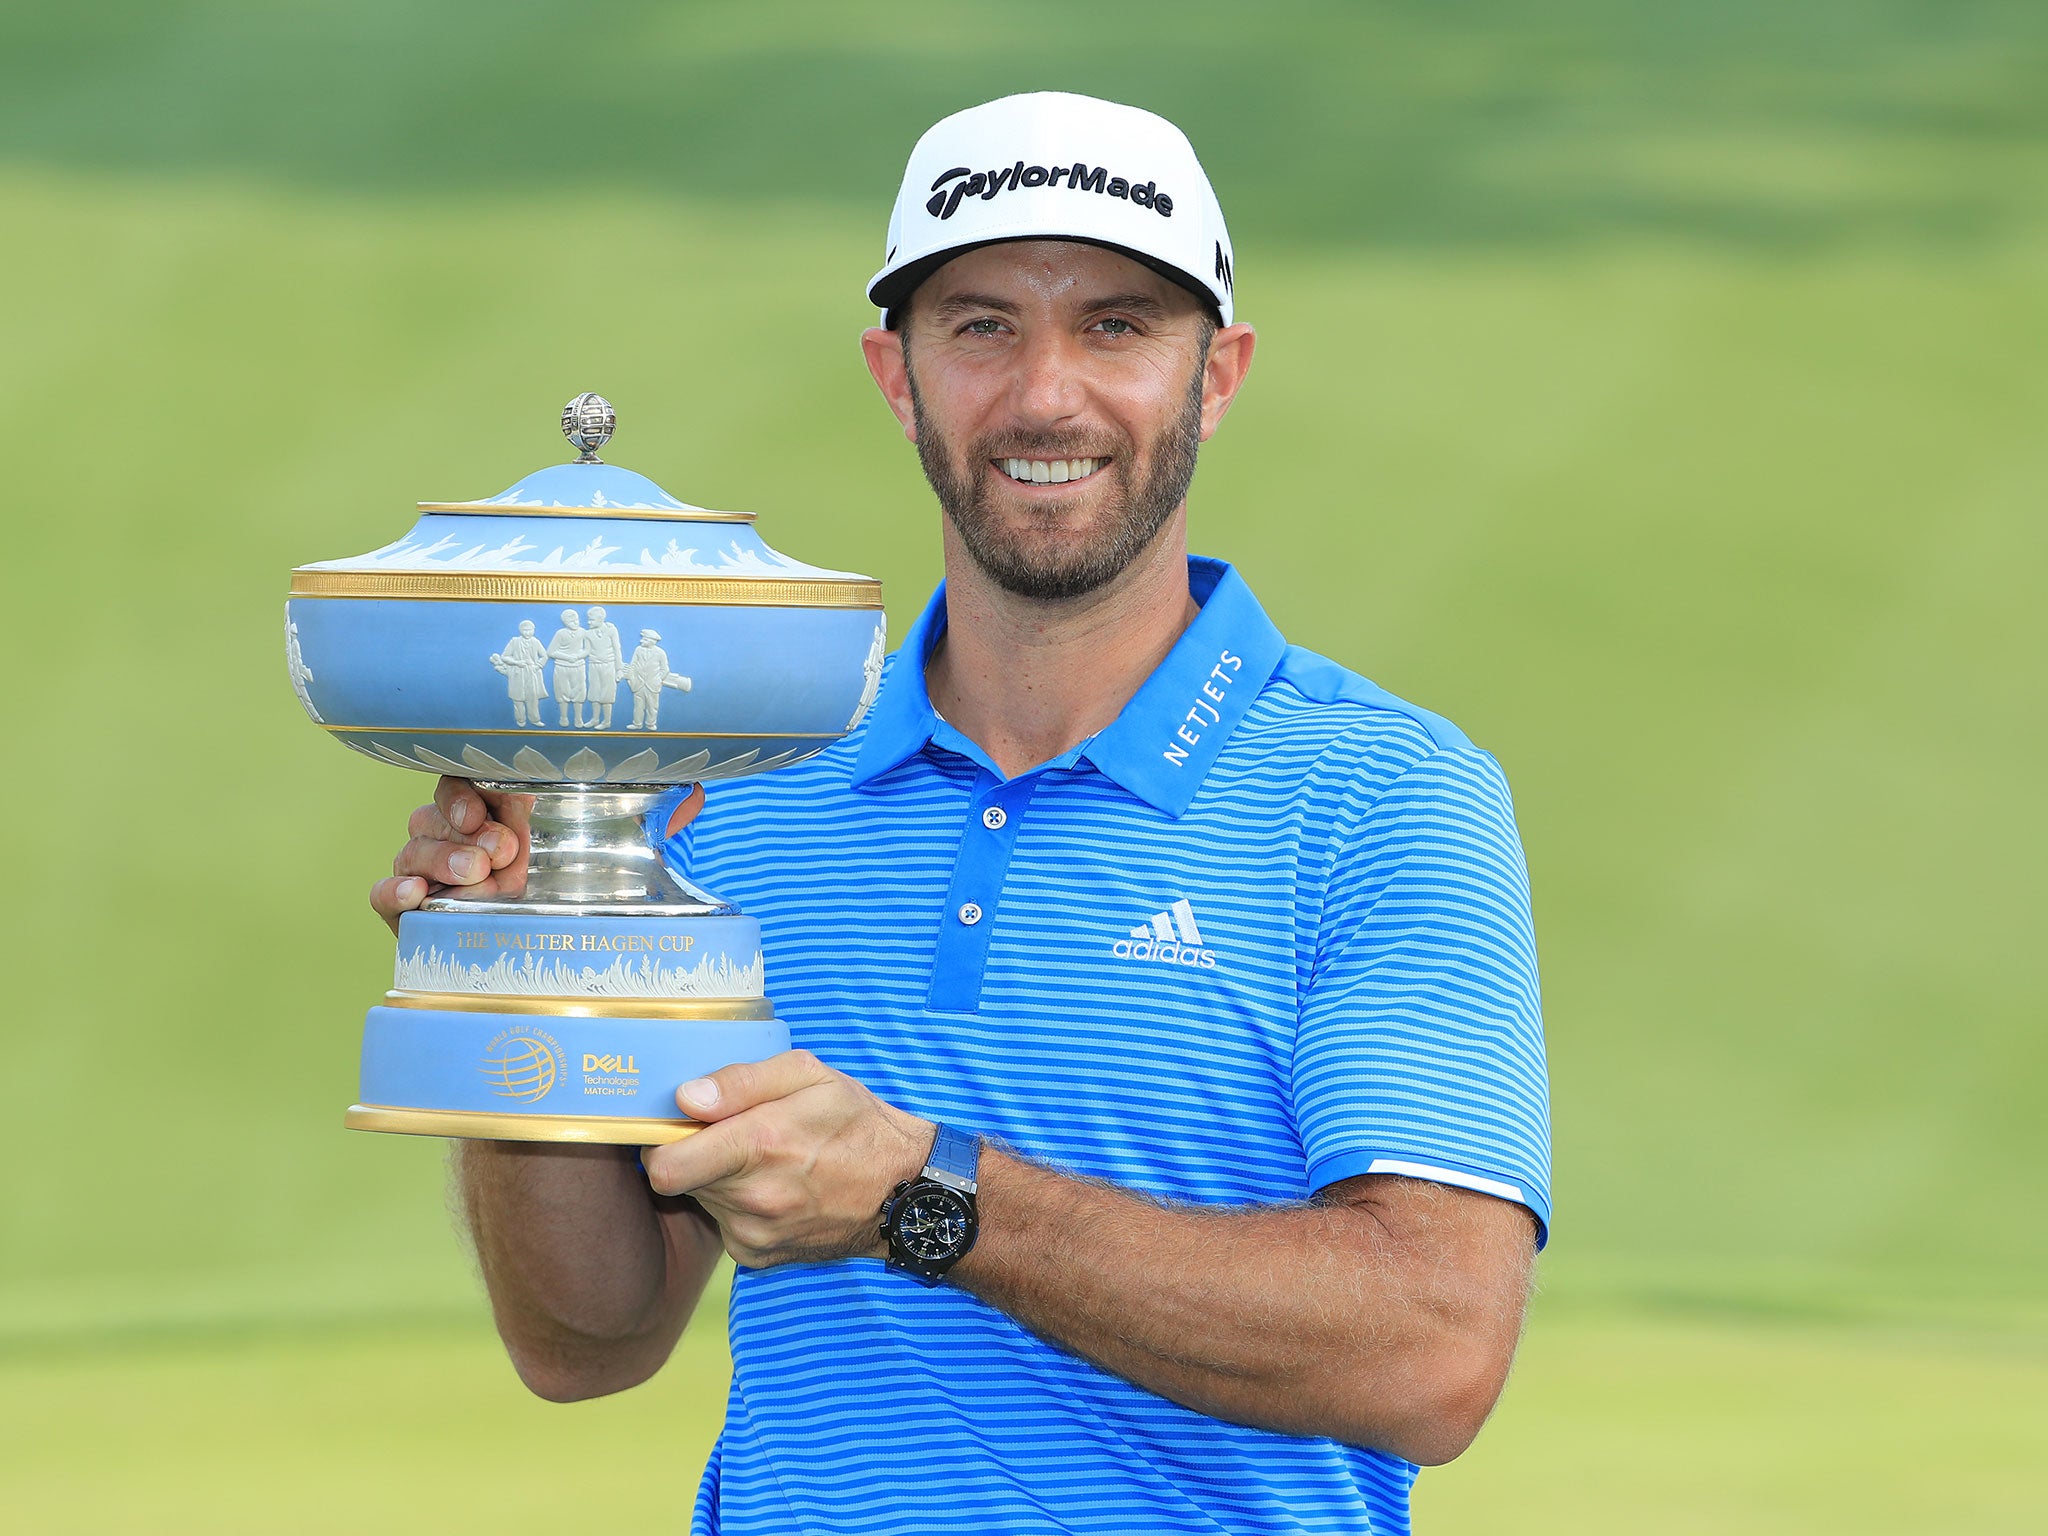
1048,387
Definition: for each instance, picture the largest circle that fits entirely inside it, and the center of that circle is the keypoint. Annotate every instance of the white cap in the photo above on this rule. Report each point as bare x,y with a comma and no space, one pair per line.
648,634
1051,165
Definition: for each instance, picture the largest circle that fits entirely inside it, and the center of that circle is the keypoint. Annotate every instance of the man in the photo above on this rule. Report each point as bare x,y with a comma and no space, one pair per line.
648,674
522,661
569,650
1204,963
607,659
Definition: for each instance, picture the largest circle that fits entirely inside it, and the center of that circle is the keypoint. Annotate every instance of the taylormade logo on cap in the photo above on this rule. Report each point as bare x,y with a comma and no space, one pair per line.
986,184
1052,166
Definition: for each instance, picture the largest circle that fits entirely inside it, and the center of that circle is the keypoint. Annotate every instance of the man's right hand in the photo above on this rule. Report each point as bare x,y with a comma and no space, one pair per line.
469,842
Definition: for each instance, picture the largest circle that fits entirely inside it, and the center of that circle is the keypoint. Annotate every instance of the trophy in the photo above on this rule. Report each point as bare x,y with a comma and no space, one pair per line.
587,639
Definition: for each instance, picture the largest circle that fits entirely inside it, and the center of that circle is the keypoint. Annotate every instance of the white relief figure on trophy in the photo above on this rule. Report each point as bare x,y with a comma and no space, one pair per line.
522,661
648,674
607,665
301,673
570,650
871,673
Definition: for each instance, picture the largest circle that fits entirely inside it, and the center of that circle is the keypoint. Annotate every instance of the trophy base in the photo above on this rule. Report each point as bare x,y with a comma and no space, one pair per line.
574,1011
469,1125
528,1025
550,1069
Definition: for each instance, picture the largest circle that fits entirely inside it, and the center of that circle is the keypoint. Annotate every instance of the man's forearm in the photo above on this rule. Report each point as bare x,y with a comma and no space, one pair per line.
590,1282
1326,1319
1383,1314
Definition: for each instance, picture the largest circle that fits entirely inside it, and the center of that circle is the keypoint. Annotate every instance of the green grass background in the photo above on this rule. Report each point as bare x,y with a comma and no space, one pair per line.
1655,389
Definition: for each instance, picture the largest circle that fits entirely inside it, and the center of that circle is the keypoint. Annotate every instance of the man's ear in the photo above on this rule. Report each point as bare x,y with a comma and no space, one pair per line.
1230,359
884,352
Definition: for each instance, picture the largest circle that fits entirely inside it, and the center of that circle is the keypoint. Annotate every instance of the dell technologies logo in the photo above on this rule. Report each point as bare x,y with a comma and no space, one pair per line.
1167,938
967,182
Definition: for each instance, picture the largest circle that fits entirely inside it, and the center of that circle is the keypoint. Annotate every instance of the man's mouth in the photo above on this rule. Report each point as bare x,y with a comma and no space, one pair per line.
1048,471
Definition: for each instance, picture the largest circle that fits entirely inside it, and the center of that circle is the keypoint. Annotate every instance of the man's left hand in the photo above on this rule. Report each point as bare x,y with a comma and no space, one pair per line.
794,1162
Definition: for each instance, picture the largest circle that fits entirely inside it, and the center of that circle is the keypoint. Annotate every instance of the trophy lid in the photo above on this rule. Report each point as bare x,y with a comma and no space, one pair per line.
587,485
587,518
584,627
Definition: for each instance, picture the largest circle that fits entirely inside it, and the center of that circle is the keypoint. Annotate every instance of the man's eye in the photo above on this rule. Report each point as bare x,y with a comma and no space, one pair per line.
983,327
1114,327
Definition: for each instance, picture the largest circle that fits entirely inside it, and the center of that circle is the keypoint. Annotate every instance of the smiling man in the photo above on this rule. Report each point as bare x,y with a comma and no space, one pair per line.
1167,1149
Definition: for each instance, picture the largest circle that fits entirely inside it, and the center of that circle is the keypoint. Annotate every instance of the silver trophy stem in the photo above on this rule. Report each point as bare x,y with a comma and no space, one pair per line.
592,854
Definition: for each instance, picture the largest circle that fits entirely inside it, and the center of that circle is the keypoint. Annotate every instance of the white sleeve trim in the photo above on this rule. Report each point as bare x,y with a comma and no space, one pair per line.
1450,1176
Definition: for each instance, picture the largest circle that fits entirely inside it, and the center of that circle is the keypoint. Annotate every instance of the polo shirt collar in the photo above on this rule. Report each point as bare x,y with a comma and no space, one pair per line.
1160,747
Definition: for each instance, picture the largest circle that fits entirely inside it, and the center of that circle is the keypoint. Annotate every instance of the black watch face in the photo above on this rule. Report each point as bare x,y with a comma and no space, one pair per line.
933,1223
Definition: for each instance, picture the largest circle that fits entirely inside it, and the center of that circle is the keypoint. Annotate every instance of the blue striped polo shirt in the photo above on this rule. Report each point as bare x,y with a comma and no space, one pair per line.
1268,930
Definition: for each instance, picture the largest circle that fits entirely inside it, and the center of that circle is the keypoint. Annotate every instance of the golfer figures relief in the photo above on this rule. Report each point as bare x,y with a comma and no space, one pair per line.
650,674
602,663
522,661
588,639
589,668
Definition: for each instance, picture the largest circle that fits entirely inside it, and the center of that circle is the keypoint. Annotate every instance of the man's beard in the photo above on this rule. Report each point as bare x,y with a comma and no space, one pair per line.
1134,513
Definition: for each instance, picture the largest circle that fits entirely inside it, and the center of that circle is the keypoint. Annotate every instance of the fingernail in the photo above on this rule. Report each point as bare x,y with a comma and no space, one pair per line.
466,865
493,843
411,890
702,1092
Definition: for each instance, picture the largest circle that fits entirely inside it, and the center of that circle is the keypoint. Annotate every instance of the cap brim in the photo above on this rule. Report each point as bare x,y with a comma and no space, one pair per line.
888,291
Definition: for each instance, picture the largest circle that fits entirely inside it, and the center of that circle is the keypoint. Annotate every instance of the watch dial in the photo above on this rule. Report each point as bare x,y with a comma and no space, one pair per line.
933,1224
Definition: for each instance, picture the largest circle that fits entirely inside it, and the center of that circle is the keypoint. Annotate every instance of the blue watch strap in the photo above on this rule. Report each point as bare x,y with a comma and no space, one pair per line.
957,1154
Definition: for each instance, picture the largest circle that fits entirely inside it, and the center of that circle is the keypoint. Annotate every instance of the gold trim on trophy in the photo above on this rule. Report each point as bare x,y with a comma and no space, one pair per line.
513,587
585,1007
617,514
469,1125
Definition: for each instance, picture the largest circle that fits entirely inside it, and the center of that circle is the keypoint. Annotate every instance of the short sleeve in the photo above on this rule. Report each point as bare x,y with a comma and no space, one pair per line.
1420,1044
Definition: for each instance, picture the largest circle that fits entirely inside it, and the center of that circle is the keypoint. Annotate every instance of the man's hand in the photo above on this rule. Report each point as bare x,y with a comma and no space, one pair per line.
795,1163
468,841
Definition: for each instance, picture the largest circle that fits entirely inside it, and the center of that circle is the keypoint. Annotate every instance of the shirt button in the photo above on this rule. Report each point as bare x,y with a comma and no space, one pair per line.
970,914
993,818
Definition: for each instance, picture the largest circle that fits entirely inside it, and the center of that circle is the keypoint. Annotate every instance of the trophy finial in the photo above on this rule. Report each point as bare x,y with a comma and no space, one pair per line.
587,421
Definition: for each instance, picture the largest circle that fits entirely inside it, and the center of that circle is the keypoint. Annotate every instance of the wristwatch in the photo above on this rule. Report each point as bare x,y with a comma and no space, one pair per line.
930,1220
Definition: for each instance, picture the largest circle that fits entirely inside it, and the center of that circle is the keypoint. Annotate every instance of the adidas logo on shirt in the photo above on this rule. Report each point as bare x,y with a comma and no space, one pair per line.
1167,938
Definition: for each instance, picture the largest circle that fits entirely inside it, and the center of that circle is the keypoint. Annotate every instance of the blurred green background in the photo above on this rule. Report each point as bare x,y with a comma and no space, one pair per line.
1656,389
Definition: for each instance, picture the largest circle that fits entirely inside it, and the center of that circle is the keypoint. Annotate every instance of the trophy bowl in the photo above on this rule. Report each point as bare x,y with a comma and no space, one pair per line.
585,638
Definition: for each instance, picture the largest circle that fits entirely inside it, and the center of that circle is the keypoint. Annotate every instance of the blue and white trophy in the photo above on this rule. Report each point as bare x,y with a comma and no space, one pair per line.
587,639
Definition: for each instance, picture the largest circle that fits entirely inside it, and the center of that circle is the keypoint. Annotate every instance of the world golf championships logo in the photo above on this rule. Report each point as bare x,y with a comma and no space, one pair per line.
522,1063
